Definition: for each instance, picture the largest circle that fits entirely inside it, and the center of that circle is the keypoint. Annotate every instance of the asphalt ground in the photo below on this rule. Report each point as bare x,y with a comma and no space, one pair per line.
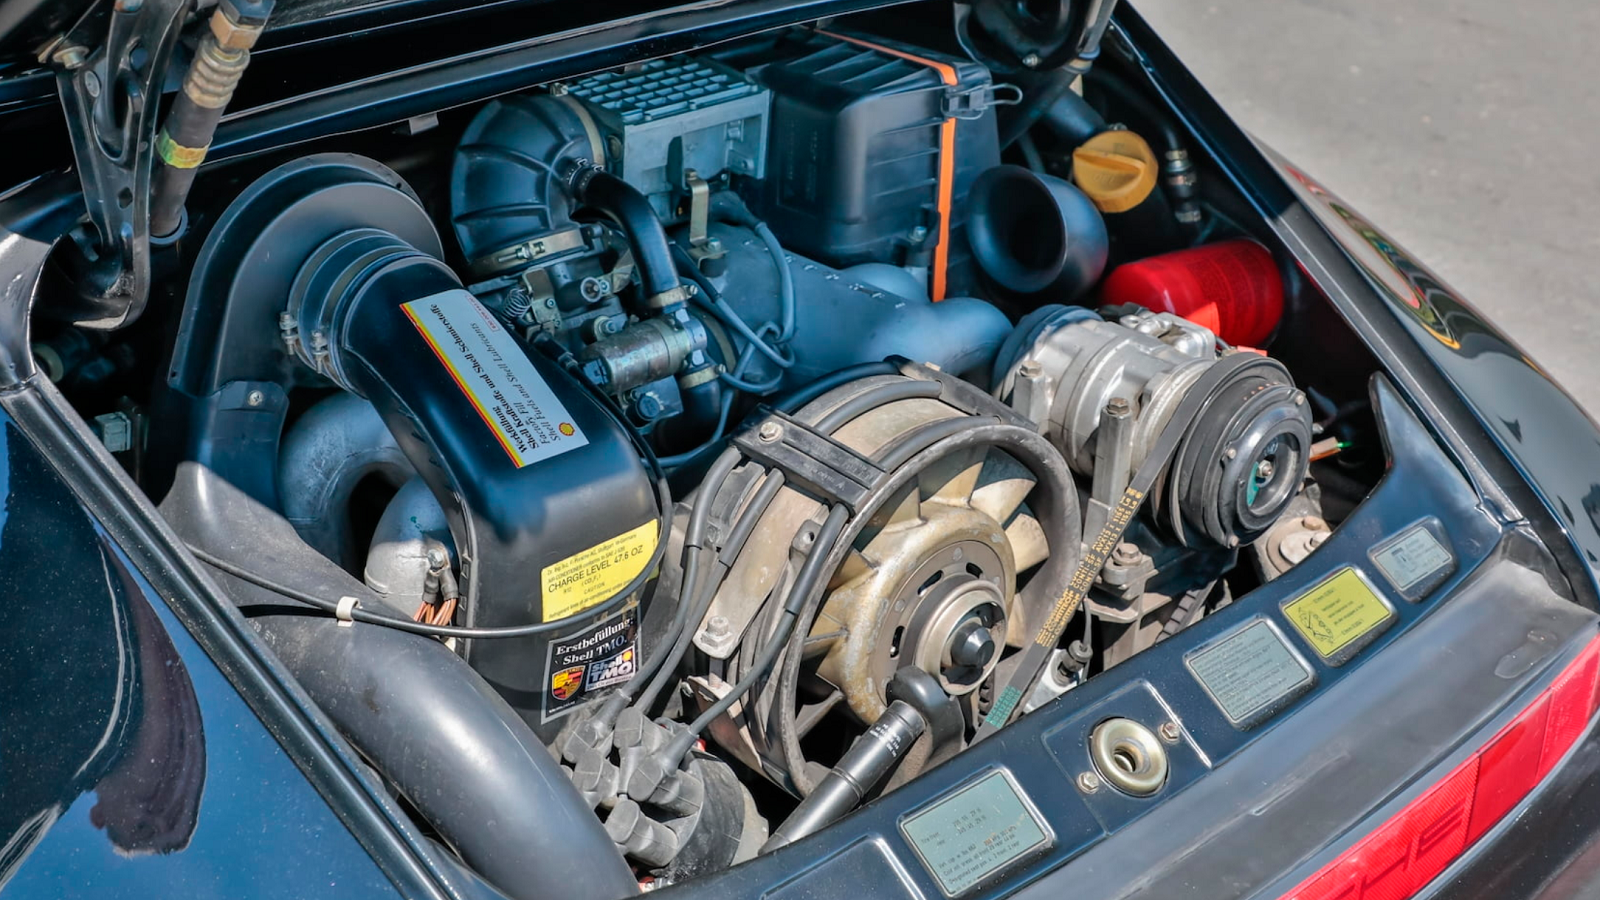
1468,130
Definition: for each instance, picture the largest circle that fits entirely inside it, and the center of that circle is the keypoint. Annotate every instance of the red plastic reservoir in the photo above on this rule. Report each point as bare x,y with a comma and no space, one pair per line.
1231,287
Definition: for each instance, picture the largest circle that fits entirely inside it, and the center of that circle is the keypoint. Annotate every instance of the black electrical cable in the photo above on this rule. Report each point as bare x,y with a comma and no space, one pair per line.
616,601
712,301
357,614
1055,507
805,394
697,605
805,584
694,534
874,397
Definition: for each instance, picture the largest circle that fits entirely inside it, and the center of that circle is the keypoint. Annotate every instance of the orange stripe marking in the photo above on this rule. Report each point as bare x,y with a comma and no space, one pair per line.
455,376
947,160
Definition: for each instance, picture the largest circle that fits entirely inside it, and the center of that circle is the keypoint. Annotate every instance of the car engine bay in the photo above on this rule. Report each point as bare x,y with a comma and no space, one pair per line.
743,433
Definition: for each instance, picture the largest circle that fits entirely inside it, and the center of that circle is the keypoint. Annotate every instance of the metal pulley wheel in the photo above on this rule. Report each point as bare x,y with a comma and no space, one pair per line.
927,575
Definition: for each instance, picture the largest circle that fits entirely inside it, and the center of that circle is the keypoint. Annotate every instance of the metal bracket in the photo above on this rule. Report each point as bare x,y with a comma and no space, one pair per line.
813,462
110,95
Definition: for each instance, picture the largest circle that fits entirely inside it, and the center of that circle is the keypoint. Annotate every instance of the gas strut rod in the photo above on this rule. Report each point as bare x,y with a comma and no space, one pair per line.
219,61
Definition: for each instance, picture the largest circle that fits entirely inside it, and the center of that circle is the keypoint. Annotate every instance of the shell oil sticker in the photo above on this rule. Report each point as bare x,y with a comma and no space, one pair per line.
589,660
496,376
595,575
1339,616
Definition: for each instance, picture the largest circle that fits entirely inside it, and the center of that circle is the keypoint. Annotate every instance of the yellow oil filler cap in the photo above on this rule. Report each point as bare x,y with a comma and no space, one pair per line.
1116,169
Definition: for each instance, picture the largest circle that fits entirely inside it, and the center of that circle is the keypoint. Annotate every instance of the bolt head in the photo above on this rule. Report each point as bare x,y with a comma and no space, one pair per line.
1118,406
1126,552
1031,60
648,405
1230,453
255,398
769,432
1030,368
1169,732
1088,782
70,57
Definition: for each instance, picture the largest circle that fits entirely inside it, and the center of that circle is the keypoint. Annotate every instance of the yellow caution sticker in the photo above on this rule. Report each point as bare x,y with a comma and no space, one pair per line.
595,575
1338,613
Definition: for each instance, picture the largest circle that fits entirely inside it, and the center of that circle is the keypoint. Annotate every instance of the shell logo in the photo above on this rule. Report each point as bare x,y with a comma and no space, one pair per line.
566,429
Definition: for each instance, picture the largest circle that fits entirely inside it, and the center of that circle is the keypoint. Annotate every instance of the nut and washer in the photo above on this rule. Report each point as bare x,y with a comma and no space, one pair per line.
769,432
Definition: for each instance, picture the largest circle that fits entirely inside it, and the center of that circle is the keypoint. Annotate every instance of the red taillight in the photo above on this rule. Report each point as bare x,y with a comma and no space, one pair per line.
1403,854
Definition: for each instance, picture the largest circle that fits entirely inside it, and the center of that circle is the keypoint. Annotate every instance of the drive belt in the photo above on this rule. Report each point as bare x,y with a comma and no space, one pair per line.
1036,655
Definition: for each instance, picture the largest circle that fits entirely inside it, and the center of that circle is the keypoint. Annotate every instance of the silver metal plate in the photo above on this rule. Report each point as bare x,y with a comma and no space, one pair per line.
974,832
1414,559
1251,673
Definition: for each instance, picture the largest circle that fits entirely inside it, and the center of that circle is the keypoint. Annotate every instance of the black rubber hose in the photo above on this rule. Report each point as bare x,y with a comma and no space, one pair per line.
1112,86
452,746
623,204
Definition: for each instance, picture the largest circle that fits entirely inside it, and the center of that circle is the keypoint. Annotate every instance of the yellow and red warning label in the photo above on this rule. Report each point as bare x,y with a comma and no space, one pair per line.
496,376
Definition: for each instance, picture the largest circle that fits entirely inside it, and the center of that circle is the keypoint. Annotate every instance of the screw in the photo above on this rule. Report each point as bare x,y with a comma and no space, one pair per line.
255,398
1118,406
1088,782
1230,453
919,234
70,57
1126,552
1031,60
1299,399
718,627
437,559
1030,368
769,432
1169,732
91,83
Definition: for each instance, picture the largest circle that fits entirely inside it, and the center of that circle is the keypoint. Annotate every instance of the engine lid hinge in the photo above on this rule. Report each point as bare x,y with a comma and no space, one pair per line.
111,69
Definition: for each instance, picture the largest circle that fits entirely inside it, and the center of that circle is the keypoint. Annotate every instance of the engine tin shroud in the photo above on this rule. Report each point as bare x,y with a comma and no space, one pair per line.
349,274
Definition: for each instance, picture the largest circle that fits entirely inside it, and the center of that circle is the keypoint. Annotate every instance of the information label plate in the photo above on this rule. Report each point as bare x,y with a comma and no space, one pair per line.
975,832
1250,673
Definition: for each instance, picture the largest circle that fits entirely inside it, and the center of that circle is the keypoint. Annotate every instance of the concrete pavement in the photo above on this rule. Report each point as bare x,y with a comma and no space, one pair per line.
1469,130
